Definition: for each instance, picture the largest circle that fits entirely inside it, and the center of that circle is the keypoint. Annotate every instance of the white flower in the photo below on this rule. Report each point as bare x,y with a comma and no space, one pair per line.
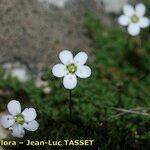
134,18
17,121
71,68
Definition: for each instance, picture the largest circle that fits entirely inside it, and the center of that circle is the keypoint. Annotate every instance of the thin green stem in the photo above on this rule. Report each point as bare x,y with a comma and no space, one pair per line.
119,98
70,104
139,42
119,93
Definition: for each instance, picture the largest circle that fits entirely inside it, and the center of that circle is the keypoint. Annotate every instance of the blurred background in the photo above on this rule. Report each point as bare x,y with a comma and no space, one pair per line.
112,106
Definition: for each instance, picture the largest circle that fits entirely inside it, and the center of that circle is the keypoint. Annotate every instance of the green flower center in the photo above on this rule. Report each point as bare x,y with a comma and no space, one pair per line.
71,68
19,119
134,18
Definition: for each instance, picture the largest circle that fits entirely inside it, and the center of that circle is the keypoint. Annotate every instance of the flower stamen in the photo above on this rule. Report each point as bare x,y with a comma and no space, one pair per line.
72,68
19,119
134,18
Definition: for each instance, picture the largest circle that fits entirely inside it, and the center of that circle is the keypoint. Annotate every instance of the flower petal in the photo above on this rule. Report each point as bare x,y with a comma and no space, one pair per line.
66,57
70,81
18,131
83,71
144,22
81,58
123,20
140,9
128,10
29,114
14,107
31,126
7,121
133,29
59,70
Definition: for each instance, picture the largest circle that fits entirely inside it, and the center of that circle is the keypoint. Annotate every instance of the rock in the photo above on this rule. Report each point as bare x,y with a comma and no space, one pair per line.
20,74
39,83
3,132
16,70
33,35
33,32
113,6
1,148
58,3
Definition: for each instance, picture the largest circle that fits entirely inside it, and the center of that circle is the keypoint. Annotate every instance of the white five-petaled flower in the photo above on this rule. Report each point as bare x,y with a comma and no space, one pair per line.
71,68
134,18
17,121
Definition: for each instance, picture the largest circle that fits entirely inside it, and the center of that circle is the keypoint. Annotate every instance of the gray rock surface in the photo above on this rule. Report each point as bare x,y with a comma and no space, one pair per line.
113,6
3,132
32,32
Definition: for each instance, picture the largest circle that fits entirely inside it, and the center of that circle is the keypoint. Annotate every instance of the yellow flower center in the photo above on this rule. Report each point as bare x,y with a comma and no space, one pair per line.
72,68
19,119
134,18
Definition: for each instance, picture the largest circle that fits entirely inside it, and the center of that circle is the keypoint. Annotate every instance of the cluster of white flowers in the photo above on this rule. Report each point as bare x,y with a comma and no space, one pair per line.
71,68
17,121
134,18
